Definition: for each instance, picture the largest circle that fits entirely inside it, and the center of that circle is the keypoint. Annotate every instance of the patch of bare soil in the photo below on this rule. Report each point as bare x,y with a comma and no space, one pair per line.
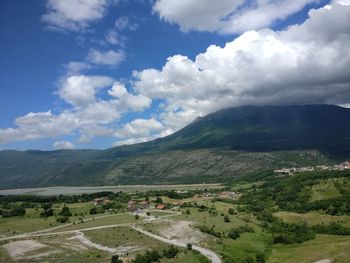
26,249
120,250
323,261
182,230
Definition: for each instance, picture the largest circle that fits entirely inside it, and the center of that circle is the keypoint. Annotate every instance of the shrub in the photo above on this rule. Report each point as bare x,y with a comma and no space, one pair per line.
233,233
65,212
62,219
115,259
96,210
231,211
210,231
47,213
171,252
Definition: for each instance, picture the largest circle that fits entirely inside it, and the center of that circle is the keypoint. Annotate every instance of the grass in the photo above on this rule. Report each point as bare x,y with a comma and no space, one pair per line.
325,189
32,221
123,236
186,257
203,218
86,256
335,248
109,220
160,213
247,246
312,218
4,257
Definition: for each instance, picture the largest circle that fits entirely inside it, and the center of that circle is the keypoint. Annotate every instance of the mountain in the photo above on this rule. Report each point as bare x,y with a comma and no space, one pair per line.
221,146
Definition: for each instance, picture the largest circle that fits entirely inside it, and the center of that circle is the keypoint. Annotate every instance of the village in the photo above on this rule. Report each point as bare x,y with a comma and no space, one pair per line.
137,206
291,171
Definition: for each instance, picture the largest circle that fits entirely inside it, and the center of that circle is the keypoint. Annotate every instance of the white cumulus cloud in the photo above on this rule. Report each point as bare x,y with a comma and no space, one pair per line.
80,90
226,16
109,57
74,15
60,145
307,63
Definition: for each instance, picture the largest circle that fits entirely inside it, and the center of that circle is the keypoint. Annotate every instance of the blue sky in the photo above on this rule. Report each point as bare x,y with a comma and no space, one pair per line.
102,73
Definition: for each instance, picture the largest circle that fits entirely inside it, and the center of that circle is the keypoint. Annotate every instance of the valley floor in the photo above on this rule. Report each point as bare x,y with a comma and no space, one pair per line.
207,225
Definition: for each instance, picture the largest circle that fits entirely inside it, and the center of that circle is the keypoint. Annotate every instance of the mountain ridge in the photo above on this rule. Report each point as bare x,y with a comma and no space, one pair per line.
255,132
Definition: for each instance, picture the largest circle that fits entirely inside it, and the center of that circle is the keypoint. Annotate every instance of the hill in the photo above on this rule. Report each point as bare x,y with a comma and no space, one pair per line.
221,146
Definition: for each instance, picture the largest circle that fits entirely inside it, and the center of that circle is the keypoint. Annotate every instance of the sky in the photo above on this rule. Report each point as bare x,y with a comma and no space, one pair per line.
102,73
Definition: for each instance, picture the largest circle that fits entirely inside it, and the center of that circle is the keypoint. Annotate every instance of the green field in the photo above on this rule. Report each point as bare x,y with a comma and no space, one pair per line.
301,218
312,218
335,248
325,189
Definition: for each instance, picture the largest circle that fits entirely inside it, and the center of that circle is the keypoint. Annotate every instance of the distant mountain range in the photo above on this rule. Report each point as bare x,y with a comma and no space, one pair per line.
221,146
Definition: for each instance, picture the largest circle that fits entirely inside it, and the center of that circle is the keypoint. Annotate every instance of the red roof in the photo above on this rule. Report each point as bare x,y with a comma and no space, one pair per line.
160,206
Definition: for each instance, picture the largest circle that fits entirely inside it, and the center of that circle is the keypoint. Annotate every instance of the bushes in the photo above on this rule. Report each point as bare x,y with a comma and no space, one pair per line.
234,233
62,219
148,257
115,259
96,210
231,211
171,252
47,213
154,256
18,211
291,233
331,229
65,212
210,231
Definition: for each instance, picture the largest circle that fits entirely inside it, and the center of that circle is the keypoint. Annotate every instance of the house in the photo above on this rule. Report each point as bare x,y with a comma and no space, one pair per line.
227,195
160,206
144,205
106,201
131,205
98,201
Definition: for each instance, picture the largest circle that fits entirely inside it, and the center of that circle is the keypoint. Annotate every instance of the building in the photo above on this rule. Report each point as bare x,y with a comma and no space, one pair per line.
144,205
131,205
102,201
98,201
227,195
160,206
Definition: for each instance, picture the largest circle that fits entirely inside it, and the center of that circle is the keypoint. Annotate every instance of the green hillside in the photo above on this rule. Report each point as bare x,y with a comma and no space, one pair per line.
221,146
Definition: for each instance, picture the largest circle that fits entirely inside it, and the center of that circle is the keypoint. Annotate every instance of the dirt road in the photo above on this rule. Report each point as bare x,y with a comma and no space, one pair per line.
213,257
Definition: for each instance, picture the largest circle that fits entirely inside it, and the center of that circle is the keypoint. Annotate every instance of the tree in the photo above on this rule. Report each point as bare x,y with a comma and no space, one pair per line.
96,210
62,219
115,259
231,211
47,213
159,200
233,233
226,219
47,206
65,211
171,252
